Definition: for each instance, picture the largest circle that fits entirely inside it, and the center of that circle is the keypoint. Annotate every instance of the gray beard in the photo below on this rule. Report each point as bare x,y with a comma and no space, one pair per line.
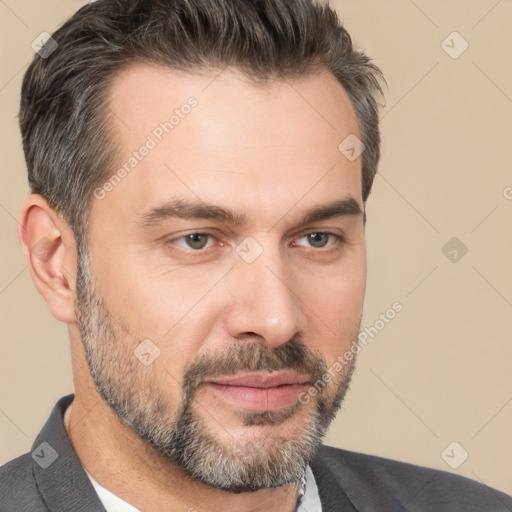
177,431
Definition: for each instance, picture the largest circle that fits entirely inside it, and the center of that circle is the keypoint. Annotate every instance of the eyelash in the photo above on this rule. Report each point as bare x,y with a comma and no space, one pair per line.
339,240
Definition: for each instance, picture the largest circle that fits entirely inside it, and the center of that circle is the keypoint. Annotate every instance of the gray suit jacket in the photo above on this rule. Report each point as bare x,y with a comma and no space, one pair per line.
51,478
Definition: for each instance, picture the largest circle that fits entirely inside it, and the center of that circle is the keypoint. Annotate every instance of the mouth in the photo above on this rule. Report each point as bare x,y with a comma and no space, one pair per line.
260,391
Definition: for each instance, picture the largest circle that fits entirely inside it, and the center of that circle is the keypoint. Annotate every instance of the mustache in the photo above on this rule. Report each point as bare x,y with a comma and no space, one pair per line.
293,355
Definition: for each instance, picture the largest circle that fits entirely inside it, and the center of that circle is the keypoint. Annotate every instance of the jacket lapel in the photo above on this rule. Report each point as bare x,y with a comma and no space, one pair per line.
332,495
62,482
344,485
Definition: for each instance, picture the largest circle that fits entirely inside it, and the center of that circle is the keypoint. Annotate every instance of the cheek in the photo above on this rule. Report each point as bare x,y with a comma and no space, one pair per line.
166,308
335,303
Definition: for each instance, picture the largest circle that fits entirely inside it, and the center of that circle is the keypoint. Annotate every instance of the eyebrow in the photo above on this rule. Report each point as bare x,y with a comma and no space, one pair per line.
196,209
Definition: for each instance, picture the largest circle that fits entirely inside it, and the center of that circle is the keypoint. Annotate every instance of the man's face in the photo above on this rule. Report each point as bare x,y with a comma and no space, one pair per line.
226,270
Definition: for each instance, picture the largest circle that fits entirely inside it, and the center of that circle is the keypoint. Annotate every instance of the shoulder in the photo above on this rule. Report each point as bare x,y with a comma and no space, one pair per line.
18,489
369,477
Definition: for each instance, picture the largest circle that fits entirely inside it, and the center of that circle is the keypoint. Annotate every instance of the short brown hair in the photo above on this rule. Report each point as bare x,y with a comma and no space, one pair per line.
63,114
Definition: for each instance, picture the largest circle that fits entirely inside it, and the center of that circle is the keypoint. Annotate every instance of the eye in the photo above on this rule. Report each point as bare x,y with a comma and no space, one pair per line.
195,241
199,242
319,239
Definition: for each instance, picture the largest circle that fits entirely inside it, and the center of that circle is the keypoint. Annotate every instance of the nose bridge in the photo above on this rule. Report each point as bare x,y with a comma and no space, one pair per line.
263,300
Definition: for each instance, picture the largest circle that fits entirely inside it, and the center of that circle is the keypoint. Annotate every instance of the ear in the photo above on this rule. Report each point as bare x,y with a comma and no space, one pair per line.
50,250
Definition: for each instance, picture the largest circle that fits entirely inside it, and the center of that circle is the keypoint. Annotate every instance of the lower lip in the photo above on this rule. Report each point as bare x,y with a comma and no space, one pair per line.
259,399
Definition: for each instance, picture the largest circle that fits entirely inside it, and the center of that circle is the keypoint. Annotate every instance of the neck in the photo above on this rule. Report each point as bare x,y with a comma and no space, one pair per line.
125,465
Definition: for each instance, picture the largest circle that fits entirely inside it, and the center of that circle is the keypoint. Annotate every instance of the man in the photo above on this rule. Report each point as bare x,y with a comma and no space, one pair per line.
200,228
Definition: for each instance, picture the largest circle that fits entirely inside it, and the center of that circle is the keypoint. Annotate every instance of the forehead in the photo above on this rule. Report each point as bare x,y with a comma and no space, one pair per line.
218,137
143,96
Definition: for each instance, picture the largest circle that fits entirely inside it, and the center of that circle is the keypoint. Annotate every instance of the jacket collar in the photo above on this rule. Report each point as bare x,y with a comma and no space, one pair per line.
60,477
332,495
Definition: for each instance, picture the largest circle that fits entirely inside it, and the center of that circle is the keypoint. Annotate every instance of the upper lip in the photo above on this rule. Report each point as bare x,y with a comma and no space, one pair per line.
261,380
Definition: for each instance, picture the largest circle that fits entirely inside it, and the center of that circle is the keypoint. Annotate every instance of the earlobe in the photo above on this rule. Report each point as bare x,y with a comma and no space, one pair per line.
51,257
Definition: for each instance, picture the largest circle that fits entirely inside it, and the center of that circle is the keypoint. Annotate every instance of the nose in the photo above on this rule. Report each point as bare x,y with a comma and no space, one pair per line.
263,305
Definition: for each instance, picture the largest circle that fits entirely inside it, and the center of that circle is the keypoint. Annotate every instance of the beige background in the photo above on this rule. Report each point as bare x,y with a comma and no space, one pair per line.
441,370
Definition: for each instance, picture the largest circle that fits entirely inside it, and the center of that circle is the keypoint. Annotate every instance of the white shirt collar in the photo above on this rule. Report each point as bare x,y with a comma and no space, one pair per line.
309,503
311,500
109,500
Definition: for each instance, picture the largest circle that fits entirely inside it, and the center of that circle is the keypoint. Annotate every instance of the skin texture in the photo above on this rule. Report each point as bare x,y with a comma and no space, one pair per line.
269,152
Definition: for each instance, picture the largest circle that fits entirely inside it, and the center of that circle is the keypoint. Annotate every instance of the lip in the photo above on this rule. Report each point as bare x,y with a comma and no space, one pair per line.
260,391
262,380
